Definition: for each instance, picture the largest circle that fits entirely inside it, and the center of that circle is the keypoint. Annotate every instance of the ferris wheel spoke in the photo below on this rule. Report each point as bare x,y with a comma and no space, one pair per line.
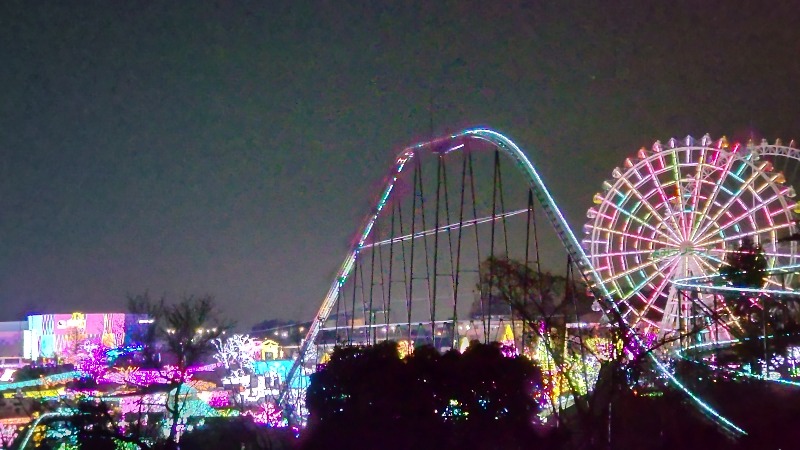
749,214
630,253
746,234
636,268
734,197
661,192
732,223
641,314
712,198
776,255
676,173
633,190
628,235
670,312
670,271
709,256
639,220
701,257
702,262
641,318
776,283
702,267
769,254
698,181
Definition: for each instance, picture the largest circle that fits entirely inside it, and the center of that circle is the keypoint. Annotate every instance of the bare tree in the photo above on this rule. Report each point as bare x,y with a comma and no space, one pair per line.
533,299
236,356
539,301
186,331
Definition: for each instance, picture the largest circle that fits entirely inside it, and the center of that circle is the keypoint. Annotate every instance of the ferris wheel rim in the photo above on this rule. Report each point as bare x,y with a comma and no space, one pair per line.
663,229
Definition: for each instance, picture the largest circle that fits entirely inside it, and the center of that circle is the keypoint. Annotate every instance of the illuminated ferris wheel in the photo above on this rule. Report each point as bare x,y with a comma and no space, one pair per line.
674,212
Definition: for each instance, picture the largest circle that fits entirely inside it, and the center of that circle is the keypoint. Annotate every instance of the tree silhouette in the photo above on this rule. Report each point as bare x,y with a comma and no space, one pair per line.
367,397
746,267
506,284
185,331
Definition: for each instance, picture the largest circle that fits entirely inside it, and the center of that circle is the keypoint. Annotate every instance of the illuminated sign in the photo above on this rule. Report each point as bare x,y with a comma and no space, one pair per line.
78,320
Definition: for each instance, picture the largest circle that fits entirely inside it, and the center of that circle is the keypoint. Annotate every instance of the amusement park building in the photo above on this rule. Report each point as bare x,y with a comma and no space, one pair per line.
53,335
11,343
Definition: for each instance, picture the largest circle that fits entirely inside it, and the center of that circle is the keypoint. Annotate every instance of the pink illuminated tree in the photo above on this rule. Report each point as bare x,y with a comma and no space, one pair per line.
185,331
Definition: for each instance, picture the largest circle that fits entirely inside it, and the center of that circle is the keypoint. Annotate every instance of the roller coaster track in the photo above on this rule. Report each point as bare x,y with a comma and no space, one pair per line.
557,220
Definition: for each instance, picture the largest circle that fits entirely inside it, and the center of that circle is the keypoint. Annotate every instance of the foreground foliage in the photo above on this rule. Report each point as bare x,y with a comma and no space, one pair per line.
370,398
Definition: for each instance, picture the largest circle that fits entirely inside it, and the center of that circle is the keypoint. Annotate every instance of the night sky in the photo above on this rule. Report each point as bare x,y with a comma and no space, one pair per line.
232,148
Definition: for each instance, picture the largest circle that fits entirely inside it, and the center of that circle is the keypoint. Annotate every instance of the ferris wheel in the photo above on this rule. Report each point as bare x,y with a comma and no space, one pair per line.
674,212
784,158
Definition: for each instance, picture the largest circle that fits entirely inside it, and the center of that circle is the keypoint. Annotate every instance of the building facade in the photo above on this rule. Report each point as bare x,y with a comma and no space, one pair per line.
58,336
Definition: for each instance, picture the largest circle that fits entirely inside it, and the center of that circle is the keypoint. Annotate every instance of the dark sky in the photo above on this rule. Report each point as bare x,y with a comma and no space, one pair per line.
233,148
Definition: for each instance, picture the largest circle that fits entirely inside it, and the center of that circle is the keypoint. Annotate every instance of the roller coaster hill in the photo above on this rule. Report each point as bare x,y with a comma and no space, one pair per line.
454,247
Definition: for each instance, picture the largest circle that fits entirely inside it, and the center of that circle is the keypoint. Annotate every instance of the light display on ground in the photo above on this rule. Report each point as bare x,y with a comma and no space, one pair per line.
454,411
577,374
508,343
92,359
192,404
60,378
120,386
782,368
405,348
39,393
216,399
269,415
147,377
236,353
